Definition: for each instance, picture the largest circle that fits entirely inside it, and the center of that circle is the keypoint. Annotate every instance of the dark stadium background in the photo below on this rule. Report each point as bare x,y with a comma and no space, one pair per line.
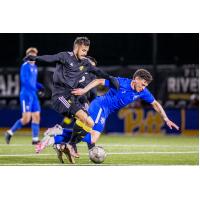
172,58
108,49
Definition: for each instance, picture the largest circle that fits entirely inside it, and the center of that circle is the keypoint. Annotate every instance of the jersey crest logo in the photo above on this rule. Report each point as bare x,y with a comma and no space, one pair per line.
71,64
102,120
69,101
81,68
136,97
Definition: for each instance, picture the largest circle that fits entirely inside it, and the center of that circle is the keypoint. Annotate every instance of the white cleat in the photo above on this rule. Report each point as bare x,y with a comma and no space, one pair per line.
56,130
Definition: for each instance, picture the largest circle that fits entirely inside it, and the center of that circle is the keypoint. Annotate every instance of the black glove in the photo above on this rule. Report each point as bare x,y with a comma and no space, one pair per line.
29,58
100,73
114,82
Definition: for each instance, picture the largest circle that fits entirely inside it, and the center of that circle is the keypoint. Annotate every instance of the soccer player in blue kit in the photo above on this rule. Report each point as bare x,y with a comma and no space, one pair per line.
129,91
30,105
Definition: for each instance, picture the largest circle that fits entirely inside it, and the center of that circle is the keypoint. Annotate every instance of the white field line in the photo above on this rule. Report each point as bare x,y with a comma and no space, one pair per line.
112,153
90,164
114,145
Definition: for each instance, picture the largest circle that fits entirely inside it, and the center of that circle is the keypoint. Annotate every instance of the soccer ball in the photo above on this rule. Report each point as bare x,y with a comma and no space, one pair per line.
97,154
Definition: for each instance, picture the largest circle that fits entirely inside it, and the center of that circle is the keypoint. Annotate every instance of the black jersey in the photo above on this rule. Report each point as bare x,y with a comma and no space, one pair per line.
69,70
84,81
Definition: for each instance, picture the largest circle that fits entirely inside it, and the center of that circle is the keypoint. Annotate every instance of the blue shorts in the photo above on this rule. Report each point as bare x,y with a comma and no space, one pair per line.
97,113
29,102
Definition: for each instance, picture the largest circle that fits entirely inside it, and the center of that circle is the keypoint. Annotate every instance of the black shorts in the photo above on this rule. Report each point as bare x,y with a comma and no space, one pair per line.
66,105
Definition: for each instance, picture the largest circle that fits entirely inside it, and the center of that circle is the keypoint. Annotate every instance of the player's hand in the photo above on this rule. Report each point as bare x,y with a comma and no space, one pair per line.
171,124
114,82
41,93
78,91
29,58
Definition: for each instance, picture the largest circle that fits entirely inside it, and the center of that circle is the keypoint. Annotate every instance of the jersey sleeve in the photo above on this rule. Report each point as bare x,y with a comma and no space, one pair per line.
51,58
117,80
113,82
98,72
147,96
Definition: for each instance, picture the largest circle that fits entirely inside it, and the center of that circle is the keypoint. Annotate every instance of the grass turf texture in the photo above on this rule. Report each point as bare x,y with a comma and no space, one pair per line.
121,150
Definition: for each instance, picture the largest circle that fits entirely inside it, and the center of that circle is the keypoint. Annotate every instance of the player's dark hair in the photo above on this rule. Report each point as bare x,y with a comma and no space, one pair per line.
143,74
82,41
92,59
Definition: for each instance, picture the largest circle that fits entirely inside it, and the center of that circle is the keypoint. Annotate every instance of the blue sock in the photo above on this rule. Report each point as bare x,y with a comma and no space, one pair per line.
87,138
59,139
64,137
18,124
35,131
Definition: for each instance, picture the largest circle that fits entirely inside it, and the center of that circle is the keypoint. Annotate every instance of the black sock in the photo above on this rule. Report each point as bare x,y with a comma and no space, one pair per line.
90,146
77,134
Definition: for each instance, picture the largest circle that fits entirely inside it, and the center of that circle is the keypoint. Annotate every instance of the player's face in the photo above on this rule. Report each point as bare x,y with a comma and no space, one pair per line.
82,51
140,84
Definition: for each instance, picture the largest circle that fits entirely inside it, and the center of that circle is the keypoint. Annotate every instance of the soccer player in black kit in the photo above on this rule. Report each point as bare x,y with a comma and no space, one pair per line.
57,138
70,67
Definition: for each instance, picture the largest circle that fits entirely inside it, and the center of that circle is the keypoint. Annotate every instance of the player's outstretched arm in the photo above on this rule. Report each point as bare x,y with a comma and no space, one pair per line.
44,58
160,110
94,83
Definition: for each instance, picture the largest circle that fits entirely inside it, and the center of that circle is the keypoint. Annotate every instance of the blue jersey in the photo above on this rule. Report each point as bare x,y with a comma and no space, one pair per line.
113,100
28,78
116,99
29,86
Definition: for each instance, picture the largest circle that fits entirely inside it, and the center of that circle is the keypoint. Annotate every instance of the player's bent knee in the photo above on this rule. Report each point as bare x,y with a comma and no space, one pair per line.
36,118
82,116
90,122
25,120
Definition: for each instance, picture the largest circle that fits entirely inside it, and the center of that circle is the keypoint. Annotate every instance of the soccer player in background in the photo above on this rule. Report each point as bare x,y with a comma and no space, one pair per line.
29,102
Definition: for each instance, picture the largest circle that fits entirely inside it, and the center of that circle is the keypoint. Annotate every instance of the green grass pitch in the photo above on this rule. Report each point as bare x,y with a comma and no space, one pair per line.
121,150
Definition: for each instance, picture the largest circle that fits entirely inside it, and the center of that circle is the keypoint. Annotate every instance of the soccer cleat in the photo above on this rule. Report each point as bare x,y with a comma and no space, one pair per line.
76,154
35,142
59,153
43,144
66,151
7,137
72,151
56,130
